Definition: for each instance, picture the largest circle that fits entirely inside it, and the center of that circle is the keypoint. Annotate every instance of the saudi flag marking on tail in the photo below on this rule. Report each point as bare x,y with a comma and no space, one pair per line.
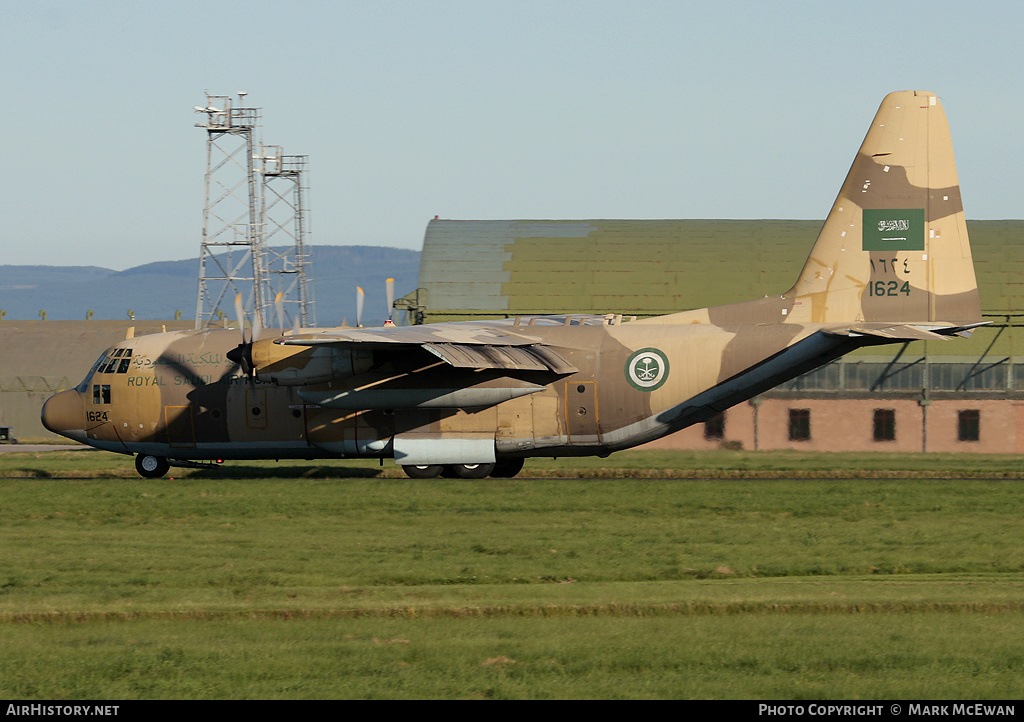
897,229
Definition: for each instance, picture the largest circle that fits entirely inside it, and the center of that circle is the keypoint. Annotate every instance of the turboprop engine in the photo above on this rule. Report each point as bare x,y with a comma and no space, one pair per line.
304,365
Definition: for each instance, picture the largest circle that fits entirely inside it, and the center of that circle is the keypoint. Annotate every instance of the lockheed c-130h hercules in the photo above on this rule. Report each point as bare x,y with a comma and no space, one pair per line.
892,263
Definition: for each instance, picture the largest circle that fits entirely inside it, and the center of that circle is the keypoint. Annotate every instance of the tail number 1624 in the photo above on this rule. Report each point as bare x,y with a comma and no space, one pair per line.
888,288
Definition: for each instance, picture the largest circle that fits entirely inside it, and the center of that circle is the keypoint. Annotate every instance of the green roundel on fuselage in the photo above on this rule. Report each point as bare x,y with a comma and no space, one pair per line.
647,369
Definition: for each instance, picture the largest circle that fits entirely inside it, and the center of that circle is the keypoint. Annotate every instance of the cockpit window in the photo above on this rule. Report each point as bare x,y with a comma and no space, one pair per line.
84,386
113,361
101,393
117,361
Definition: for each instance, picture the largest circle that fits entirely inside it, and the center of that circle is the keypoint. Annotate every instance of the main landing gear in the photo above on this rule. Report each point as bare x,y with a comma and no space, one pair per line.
502,469
151,467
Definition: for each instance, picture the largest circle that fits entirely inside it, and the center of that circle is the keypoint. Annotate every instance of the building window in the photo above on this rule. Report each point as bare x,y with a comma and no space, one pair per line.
714,428
799,424
968,425
885,424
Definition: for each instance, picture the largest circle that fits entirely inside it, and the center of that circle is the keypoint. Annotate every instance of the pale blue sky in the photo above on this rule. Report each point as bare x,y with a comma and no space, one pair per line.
480,110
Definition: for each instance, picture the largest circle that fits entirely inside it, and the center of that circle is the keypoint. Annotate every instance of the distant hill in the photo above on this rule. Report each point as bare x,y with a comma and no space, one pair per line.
155,291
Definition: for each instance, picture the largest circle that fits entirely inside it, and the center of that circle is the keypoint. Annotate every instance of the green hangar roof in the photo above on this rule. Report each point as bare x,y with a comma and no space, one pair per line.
475,269
494,269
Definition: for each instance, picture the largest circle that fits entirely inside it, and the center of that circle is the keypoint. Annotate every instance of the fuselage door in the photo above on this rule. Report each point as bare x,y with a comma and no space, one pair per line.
581,418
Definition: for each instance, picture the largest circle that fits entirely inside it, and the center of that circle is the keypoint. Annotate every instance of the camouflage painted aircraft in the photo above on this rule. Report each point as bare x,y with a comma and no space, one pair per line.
892,263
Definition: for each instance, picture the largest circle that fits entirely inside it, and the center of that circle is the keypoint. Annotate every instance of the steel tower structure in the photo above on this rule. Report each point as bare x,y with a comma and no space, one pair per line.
284,220
251,198
229,257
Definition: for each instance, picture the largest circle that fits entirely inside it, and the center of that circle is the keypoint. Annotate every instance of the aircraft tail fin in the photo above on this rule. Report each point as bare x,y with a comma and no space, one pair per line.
894,248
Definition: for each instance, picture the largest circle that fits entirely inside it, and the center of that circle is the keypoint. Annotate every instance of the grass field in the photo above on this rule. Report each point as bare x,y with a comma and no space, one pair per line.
655,575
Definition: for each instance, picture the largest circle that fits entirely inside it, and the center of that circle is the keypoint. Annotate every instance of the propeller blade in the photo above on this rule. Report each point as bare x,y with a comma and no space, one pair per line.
390,285
240,315
360,296
279,307
257,326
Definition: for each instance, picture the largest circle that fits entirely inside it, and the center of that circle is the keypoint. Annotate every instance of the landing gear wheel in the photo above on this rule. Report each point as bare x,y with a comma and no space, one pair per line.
430,471
507,468
151,467
471,471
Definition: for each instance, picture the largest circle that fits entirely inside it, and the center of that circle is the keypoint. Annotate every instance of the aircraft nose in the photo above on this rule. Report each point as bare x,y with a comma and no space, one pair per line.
64,414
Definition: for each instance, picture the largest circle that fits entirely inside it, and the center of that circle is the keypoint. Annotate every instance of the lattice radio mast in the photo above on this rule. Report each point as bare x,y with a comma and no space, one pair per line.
251,198
284,220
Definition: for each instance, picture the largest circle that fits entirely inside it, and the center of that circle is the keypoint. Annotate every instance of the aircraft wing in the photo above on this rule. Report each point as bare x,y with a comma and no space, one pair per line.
467,347
410,336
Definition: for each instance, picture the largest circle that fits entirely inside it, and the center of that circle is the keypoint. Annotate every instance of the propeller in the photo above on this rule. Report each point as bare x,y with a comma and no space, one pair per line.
242,353
360,296
390,285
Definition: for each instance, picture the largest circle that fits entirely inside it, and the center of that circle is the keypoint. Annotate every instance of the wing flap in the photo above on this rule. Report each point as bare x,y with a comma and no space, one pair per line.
519,358
466,347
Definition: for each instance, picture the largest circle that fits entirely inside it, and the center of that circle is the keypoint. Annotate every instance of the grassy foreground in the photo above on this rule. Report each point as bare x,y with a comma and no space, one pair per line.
89,463
331,582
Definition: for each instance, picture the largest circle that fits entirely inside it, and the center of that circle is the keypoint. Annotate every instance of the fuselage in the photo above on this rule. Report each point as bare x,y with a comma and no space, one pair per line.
178,395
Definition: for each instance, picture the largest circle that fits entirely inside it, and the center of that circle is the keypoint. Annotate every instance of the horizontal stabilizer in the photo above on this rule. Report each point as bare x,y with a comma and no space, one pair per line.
905,332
